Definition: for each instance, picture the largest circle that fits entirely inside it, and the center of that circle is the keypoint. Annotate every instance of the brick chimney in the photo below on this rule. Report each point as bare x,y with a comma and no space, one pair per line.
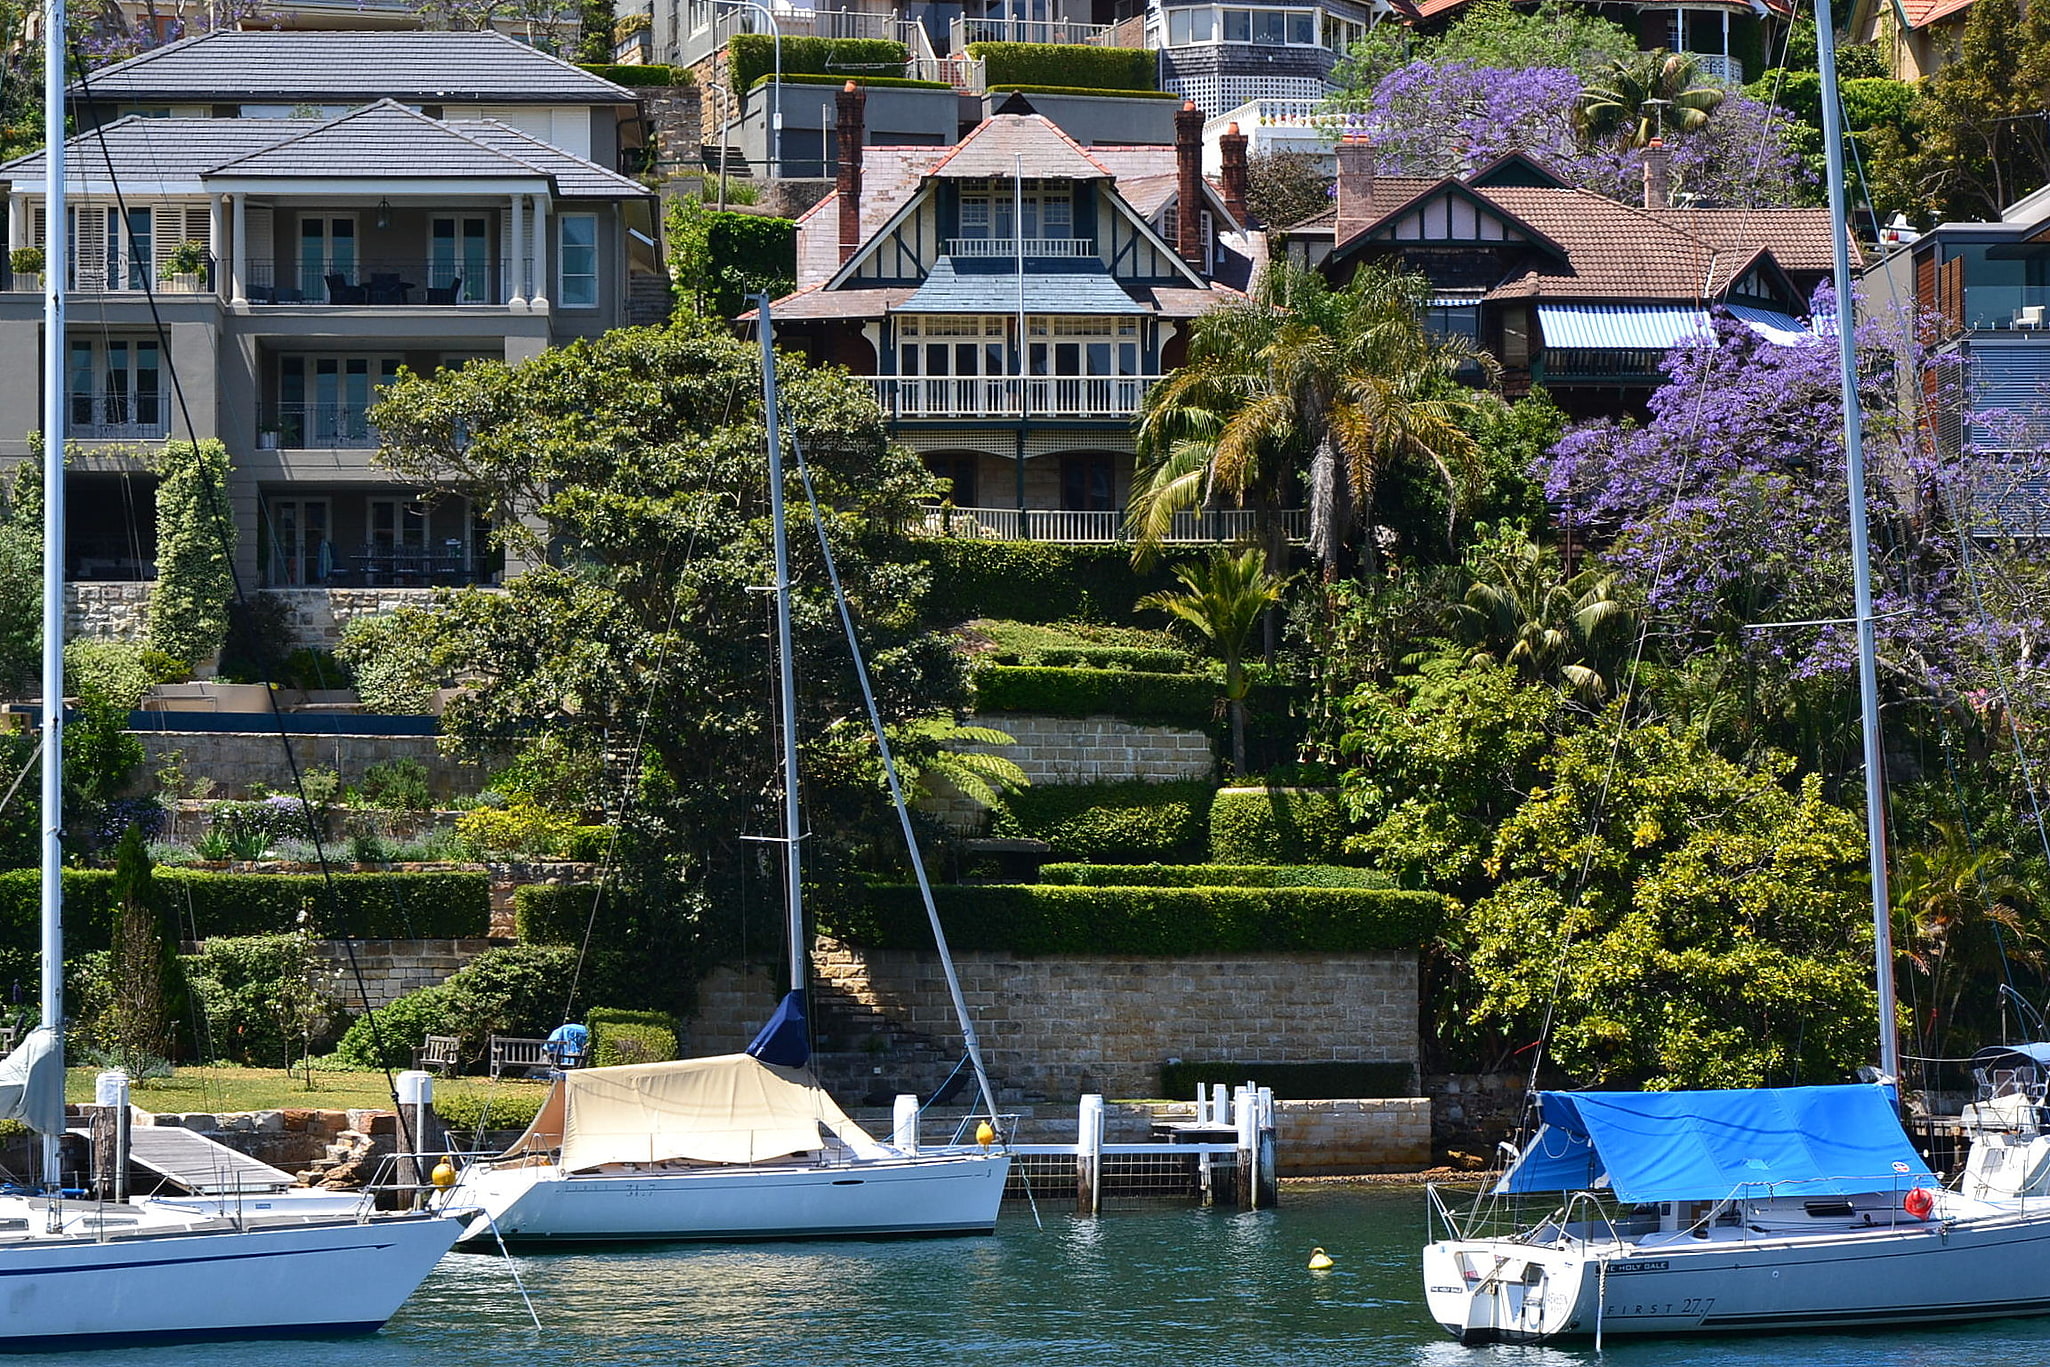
1355,187
1188,158
1658,175
848,107
1232,148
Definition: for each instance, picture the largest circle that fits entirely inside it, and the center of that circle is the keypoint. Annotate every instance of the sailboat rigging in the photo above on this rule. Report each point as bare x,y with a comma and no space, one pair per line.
736,1146
1763,1209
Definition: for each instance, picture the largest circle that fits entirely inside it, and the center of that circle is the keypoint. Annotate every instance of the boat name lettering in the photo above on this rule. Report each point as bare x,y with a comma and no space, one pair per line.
1655,1265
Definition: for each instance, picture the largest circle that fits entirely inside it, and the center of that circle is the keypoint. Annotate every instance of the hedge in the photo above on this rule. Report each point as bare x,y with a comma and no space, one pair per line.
1213,876
617,1042
1293,1081
557,914
1033,581
1010,87
1166,699
1019,918
1276,826
1141,658
1091,70
751,56
652,73
495,1108
1129,821
742,249
811,78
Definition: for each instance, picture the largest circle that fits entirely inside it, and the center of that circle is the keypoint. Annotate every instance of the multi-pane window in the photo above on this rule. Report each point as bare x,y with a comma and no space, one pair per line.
989,207
459,255
1082,346
114,388
944,345
579,258
1264,27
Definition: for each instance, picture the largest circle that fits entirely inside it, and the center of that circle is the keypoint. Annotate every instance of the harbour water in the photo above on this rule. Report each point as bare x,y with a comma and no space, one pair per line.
1162,1286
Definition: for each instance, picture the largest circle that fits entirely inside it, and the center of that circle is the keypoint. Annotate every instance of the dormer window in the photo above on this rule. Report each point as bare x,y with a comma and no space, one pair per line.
987,208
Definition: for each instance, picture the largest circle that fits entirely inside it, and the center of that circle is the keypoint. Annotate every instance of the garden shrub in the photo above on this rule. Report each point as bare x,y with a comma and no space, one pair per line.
751,56
188,605
521,829
449,905
399,1028
615,1042
260,997
842,78
1160,699
500,1108
1133,658
258,639
1276,826
1033,581
1124,821
1293,1081
396,785
1020,918
1214,876
554,914
511,990
1088,70
653,73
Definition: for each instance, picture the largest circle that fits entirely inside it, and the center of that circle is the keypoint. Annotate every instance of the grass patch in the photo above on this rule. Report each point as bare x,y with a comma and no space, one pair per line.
272,1089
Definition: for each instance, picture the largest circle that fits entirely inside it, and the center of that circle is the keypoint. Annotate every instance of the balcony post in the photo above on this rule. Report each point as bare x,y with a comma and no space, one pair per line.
238,274
538,300
516,269
213,244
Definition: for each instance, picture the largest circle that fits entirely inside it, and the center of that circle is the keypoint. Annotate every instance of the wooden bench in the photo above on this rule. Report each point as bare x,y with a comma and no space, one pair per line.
439,1053
528,1057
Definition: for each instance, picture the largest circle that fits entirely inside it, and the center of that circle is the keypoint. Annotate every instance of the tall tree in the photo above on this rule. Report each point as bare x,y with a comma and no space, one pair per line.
1646,95
1222,601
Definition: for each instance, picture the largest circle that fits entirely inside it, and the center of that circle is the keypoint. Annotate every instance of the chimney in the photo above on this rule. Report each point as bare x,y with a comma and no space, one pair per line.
1188,158
847,109
1232,147
1355,187
1658,175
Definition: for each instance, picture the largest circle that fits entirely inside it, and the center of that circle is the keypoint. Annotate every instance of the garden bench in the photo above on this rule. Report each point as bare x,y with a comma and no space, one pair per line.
439,1053
526,1057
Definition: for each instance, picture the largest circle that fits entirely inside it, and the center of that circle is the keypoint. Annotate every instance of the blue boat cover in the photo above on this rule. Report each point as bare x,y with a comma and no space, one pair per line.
786,1039
1704,1146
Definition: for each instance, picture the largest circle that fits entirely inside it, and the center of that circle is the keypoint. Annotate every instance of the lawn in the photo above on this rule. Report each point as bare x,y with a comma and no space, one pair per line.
262,1089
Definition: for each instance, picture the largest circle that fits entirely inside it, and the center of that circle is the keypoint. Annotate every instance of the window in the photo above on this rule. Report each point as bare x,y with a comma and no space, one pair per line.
458,258
299,546
988,207
327,256
1238,26
961,345
114,388
961,470
323,401
130,250
1083,346
579,258
1088,484
398,525
1302,28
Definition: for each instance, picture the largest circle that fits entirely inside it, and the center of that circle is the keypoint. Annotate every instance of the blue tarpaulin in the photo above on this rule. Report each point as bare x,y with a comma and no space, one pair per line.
1703,1146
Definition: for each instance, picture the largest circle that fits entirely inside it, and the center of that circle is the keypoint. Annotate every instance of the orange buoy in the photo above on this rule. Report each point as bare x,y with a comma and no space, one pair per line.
1918,1203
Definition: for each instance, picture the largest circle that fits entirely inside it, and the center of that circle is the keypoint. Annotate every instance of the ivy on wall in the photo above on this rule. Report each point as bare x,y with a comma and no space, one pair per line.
188,607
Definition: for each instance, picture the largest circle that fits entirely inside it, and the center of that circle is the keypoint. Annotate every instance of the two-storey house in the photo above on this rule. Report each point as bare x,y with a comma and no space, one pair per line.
255,250
1012,299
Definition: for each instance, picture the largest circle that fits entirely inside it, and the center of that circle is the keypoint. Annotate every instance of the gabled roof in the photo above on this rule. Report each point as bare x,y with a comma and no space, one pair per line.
575,178
1916,14
1517,168
164,155
385,140
1798,238
996,146
350,66
1488,204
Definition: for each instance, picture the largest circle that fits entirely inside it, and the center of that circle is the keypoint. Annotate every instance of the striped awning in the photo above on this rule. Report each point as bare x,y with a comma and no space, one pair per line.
1653,327
1777,328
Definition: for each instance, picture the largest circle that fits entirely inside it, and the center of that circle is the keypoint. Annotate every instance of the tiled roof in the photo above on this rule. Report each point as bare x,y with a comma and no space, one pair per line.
383,140
996,145
815,302
351,66
890,176
1616,251
1799,239
156,154
978,285
575,178
1922,13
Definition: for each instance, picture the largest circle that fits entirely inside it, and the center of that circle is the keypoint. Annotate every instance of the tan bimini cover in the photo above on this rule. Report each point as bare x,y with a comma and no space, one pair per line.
731,1108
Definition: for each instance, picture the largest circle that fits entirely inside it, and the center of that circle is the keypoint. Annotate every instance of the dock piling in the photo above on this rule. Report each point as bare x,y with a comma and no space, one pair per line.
904,1123
1089,1155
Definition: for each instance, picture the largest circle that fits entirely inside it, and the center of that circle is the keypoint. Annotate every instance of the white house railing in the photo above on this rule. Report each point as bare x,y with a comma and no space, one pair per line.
1728,70
997,396
1102,527
1008,247
966,31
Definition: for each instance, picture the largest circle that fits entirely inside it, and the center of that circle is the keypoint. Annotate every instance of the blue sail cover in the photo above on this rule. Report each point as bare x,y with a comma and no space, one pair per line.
1703,1146
785,1040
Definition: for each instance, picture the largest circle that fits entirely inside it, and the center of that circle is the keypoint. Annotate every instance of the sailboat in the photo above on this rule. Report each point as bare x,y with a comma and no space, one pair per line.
82,1272
738,1146
1765,1209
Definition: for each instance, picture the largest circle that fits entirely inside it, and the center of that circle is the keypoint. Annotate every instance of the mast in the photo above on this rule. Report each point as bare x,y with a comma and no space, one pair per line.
786,672
56,266
1861,554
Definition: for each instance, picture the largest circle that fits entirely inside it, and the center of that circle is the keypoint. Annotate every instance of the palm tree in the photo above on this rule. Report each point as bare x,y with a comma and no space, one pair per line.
1224,601
1958,918
1520,611
1636,98
1338,385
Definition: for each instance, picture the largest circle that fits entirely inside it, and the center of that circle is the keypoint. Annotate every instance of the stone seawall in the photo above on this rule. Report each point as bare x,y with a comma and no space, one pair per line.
1060,1026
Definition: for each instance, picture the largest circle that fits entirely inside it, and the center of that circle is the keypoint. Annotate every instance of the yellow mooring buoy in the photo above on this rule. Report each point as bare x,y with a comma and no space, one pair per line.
985,1134
1320,1261
444,1174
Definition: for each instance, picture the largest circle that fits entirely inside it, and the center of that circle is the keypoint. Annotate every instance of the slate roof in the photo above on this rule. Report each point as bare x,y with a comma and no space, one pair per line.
975,285
574,177
993,150
351,66
385,140
156,154
818,302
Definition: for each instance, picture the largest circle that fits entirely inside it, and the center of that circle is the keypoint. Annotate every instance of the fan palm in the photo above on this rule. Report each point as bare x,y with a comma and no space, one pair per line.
1636,98
1223,601
1521,612
1957,913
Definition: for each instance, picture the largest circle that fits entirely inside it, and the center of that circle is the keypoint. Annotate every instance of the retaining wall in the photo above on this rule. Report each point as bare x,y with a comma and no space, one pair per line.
1064,750
234,760
392,968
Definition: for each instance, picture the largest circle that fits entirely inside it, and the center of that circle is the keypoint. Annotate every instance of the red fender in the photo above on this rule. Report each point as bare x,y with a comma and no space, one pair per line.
1918,1203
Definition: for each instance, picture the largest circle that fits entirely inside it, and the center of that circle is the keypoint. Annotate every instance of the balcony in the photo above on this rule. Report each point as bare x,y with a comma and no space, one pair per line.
447,564
1008,248
141,414
966,31
1000,396
1101,528
317,426
1727,70
97,273
379,284
2000,308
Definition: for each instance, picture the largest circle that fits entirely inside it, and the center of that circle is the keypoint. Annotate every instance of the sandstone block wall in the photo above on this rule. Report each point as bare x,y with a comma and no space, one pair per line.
112,610
1341,1137
392,968
119,610
1063,750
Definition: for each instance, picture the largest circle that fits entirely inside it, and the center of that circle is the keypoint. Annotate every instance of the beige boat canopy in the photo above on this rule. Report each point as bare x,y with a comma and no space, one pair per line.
731,1108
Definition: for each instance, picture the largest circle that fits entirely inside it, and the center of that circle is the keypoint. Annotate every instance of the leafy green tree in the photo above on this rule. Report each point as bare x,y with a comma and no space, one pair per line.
632,467
1645,95
1284,188
137,1031
1680,921
1223,601
1959,927
188,605
21,579
1522,611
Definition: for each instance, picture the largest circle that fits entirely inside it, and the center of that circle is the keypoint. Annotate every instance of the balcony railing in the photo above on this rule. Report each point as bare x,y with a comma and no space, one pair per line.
1728,70
446,563
1009,247
2002,307
380,283
119,414
317,426
97,273
1054,396
1103,528
966,31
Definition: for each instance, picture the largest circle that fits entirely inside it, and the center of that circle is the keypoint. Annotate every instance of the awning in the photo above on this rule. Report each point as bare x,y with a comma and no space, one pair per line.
1777,328
992,285
1704,1146
1653,327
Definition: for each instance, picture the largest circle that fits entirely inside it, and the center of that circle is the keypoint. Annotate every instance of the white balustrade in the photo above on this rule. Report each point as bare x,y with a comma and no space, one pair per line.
1008,247
1101,527
1061,396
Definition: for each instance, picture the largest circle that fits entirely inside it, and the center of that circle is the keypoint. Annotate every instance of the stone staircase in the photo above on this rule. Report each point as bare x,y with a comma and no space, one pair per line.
354,1156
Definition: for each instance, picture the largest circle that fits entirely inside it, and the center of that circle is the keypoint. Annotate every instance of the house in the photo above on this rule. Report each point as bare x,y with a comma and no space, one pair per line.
1915,36
1012,299
256,248
1569,289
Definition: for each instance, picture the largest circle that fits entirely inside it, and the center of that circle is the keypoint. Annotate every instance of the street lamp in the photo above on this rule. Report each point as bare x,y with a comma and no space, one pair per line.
776,92
725,132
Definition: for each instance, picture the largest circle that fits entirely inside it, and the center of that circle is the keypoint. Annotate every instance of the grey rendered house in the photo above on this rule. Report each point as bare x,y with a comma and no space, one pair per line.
249,221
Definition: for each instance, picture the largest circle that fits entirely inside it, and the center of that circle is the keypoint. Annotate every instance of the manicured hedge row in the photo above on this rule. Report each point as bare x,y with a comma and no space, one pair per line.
751,56
1034,919
1089,70
1276,826
1213,876
1013,86
1167,699
1032,581
1293,1081
553,915
1141,658
809,78
1122,822
622,73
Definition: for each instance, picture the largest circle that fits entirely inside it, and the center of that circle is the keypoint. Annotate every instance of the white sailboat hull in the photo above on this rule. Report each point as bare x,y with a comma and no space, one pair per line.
1509,1290
925,1194
211,1281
